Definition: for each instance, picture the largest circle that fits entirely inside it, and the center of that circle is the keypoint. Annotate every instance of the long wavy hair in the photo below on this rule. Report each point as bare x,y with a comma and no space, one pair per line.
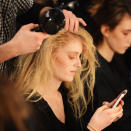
34,69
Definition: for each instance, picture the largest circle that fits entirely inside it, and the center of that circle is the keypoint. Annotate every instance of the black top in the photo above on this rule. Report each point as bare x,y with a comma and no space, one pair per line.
49,122
108,85
44,119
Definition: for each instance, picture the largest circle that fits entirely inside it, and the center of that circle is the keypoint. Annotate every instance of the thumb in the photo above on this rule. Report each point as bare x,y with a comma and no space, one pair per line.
112,102
105,103
43,35
104,107
30,26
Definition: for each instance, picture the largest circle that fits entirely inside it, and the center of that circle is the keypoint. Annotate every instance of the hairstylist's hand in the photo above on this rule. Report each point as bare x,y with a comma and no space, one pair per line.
72,22
26,41
104,116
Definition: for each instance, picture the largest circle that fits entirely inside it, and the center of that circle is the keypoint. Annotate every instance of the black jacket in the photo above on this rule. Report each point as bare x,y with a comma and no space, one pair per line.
109,83
49,122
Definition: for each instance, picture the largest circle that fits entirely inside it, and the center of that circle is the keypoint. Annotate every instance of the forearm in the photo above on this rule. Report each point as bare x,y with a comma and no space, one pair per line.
7,51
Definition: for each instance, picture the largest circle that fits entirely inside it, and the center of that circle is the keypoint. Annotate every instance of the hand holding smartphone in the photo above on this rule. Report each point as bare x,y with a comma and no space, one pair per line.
122,94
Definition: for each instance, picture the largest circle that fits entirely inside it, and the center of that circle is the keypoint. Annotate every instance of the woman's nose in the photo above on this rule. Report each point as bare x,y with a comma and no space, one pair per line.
78,63
129,41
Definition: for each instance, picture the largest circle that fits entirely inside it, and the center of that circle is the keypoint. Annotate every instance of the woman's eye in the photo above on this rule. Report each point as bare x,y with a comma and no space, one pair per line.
72,57
125,33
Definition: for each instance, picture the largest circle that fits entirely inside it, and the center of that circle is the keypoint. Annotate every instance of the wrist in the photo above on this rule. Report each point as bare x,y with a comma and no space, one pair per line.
12,48
92,128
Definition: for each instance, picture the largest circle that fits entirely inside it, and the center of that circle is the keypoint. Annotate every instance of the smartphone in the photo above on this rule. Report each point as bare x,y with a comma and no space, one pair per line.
122,94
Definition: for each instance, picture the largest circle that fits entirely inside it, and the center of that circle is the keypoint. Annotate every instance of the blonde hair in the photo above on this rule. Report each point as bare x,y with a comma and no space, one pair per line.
32,69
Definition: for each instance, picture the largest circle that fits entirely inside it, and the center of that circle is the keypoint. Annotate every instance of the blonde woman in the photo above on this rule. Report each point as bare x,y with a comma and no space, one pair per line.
53,78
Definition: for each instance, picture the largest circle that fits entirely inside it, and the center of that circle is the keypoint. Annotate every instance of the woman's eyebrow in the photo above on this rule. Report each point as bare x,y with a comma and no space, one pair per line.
74,52
128,30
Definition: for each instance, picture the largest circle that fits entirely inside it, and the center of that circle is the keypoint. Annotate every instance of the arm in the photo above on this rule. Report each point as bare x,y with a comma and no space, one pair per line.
6,52
25,41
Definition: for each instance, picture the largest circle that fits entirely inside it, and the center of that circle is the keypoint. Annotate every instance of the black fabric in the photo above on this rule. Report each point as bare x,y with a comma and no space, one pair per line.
49,122
127,57
108,85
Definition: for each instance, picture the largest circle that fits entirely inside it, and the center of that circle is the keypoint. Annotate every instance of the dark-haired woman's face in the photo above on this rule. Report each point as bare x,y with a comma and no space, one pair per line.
119,39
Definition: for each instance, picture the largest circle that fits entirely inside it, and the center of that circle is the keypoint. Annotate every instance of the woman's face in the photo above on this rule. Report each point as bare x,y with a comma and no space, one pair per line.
67,60
119,39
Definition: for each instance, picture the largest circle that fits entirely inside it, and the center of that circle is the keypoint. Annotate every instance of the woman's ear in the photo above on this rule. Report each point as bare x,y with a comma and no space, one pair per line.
105,30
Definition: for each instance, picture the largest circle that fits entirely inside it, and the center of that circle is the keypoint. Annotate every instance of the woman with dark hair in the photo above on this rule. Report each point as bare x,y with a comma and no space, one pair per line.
112,35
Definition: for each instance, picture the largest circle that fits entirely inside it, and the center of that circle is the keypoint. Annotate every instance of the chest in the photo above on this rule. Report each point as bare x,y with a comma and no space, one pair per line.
57,107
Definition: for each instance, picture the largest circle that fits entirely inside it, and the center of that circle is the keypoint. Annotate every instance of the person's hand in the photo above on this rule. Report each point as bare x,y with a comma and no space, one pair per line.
72,22
110,104
104,116
26,41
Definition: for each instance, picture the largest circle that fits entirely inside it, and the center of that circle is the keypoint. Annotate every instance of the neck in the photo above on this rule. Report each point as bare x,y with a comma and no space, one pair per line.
105,51
50,88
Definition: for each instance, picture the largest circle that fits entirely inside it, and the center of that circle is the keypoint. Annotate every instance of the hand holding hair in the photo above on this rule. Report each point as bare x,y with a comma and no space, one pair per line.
25,41
72,22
